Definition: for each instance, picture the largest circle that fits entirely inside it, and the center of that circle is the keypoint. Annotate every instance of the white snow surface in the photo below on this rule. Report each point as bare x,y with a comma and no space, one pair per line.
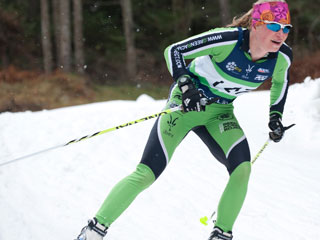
52,195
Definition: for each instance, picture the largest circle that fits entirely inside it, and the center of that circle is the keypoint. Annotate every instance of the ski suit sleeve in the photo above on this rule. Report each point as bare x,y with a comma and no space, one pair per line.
280,81
196,46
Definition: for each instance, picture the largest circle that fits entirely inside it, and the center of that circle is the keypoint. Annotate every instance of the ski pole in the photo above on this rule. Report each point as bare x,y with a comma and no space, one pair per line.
267,143
260,151
203,102
170,110
204,220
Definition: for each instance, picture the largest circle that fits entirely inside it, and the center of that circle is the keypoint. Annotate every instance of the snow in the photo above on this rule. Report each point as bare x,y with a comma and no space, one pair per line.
50,196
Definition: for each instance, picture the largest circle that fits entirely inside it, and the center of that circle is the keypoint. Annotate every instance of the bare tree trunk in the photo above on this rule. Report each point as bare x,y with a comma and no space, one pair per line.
224,12
131,64
56,25
78,36
65,35
46,37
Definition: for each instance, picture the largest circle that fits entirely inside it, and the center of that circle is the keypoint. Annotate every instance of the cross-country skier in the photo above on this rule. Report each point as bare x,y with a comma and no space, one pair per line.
227,62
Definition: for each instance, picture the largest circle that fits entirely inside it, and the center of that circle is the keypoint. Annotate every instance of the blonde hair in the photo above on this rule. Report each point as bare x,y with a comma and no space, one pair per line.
245,19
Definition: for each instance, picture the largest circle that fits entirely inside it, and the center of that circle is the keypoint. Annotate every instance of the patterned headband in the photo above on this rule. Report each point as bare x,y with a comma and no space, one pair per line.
270,11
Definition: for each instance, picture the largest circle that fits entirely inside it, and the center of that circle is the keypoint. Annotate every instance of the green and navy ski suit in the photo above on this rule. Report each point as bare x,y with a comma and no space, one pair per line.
221,69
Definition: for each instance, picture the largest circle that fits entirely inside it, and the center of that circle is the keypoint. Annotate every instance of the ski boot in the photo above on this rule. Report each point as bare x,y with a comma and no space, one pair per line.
219,234
93,231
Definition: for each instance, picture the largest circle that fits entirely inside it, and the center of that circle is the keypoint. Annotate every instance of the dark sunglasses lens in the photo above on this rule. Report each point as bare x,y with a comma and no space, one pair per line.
286,29
273,27
276,27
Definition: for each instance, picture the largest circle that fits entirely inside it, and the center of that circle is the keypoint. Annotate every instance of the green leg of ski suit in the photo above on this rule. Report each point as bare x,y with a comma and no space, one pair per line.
219,130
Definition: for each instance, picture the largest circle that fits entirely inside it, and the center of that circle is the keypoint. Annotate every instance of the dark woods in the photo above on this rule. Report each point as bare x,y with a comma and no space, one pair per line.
116,41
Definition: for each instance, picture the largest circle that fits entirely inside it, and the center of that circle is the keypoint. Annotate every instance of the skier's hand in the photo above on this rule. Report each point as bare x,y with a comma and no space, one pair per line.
191,97
276,127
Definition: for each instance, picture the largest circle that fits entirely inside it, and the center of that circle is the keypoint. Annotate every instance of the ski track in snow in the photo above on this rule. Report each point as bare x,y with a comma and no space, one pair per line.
50,196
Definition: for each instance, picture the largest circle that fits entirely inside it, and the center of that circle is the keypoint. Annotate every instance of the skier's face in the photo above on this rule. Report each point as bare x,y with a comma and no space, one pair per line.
270,24
269,40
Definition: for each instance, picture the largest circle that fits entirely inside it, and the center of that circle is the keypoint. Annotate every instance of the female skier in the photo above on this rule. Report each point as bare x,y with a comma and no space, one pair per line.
227,62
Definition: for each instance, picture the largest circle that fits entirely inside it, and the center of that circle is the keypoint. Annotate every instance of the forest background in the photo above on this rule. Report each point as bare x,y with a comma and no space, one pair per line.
56,53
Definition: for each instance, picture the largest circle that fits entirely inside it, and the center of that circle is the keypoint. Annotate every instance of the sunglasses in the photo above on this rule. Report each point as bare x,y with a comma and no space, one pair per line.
275,26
